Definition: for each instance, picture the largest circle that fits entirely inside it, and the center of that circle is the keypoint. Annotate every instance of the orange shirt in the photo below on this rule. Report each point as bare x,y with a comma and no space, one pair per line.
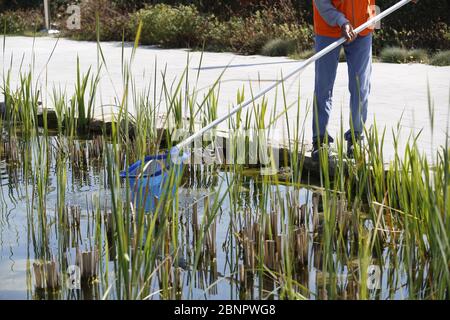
357,12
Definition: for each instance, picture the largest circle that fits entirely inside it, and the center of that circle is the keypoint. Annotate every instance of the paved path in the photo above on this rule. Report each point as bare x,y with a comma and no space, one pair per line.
399,92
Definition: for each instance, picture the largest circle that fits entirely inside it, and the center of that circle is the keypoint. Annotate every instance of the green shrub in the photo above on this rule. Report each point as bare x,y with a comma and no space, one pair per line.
169,26
394,55
447,35
19,22
401,55
216,35
301,34
441,59
186,26
418,55
303,55
224,8
249,35
278,47
432,37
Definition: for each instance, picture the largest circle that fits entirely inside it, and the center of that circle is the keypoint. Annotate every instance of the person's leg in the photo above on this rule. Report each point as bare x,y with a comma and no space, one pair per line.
325,76
359,61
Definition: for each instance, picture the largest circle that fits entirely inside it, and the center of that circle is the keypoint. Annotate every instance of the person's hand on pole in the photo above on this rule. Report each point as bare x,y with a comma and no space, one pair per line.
347,32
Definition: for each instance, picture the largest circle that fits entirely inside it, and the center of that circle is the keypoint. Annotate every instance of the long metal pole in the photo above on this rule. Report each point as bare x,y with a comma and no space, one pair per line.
47,15
305,63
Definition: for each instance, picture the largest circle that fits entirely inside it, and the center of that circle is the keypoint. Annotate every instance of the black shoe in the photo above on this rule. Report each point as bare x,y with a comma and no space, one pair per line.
351,147
322,146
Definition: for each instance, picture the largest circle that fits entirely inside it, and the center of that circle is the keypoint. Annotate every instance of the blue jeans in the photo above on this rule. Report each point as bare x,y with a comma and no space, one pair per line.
359,60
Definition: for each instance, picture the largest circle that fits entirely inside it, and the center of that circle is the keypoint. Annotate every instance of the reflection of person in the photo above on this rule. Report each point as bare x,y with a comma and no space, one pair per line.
332,20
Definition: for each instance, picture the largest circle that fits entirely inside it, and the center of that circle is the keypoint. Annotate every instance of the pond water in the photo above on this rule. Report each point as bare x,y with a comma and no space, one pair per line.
225,270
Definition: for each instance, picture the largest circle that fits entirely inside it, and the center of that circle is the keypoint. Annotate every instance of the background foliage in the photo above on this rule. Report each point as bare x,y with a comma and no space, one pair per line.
244,26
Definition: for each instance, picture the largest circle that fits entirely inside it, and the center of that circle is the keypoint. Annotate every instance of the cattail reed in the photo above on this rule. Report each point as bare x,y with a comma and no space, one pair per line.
242,276
249,253
88,262
301,245
213,276
74,214
69,225
211,233
46,275
318,255
270,254
195,225
178,283
315,206
343,217
166,276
